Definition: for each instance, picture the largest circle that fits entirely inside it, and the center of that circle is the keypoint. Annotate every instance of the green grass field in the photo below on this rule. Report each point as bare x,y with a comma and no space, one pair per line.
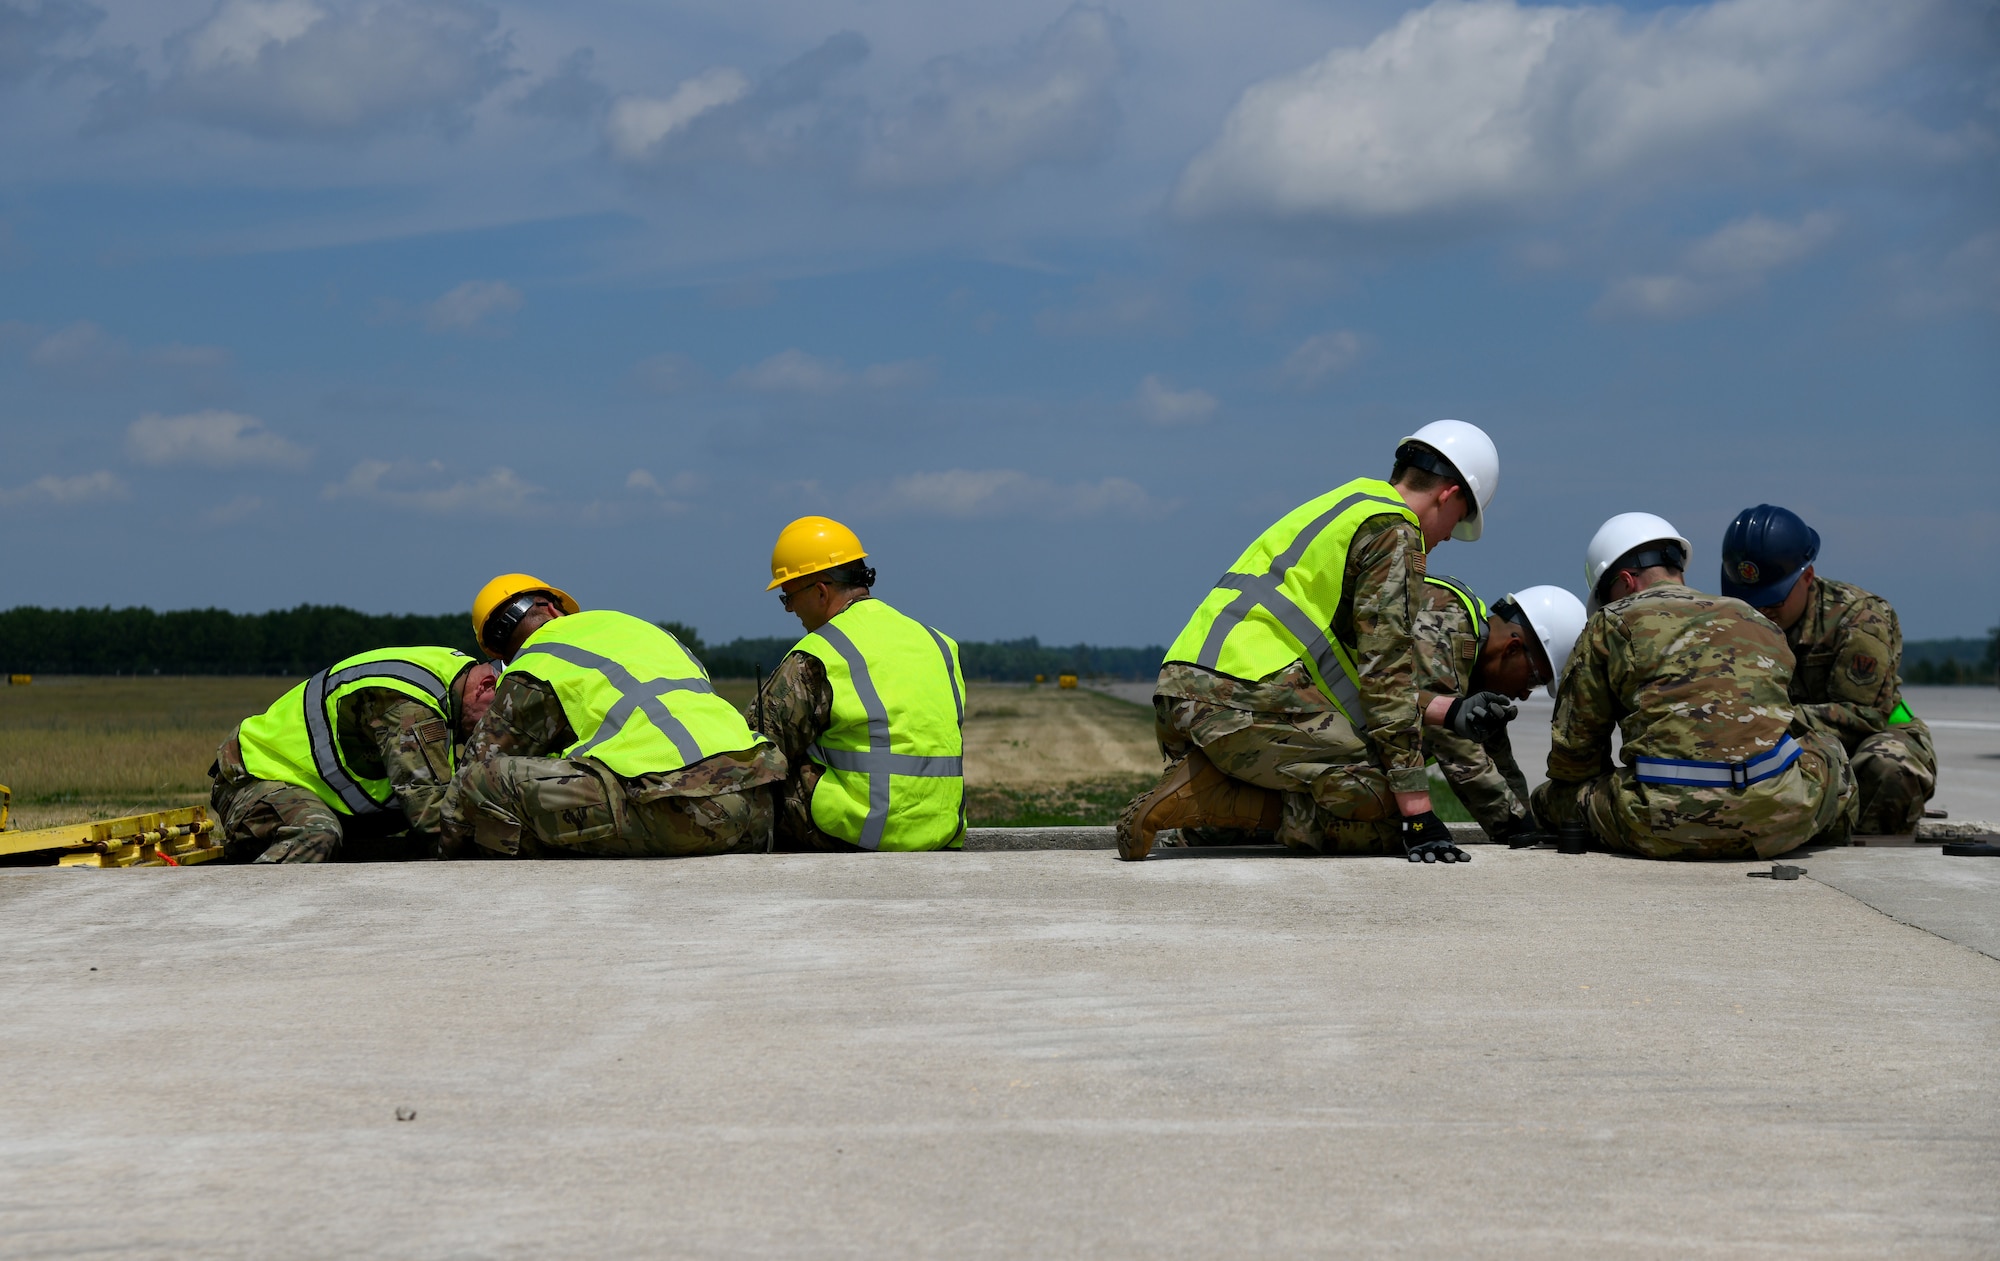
74,749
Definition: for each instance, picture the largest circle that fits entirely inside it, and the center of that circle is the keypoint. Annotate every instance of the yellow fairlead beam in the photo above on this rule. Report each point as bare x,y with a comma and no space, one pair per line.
165,838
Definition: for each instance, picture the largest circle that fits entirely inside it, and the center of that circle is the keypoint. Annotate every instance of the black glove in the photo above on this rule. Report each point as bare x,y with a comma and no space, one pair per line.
1427,840
1480,716
1523,833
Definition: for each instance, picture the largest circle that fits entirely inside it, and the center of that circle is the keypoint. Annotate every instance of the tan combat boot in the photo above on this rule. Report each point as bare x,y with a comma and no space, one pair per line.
1195,794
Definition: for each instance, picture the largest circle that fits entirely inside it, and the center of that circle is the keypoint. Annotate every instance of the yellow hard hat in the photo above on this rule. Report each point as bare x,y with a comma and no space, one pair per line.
811,544
504,588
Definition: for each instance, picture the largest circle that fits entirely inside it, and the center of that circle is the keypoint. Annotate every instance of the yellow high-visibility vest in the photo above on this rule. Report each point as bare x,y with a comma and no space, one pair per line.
895,752
1276,604
296,741
637,701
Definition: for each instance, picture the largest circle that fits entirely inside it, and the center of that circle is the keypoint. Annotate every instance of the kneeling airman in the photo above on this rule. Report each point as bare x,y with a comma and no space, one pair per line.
1717,763
605,739
358,752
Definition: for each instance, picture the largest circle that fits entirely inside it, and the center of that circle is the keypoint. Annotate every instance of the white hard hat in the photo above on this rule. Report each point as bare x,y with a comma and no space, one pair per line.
1472,453
1555,617
1620,535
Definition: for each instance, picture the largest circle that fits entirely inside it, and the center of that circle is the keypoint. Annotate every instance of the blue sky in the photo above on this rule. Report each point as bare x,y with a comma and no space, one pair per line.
1059,306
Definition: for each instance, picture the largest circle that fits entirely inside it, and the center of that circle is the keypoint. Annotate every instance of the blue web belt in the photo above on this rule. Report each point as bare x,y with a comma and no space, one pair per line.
1668,770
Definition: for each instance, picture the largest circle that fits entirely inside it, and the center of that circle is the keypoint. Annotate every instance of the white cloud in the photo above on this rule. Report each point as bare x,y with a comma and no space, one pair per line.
30,33
645,496
193,358
88,488
81,347
666,372
636,124
1729,263
968,120
1756,244
214,439
1006,493
980,120
571,94
1966,278
1323,355
466,307
1112,306
1164,405
796,372
791,117
238,509
293,69
422,487
1468,108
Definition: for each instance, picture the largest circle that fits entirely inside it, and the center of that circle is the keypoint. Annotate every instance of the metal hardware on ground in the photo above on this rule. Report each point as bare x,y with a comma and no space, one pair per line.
166,838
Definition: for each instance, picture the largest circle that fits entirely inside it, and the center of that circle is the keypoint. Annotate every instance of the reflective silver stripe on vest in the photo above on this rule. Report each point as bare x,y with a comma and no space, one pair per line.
634,697
950,675
877,762
867,762
958,703
1262,591
1465,594
320,734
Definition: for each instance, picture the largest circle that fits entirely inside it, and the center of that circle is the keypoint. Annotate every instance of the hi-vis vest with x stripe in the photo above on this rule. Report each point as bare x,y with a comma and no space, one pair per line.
296,741
1276,604
1475,608
895,752
634,697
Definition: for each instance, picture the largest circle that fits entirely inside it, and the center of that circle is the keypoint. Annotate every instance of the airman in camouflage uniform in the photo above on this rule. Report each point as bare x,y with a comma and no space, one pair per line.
518,797
383,734
1283,733
1849,647
796,708
1340,789
1485,776
1850,652
1693,678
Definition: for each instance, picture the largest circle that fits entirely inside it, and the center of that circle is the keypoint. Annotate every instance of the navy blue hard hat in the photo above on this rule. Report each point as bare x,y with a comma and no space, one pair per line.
1763,553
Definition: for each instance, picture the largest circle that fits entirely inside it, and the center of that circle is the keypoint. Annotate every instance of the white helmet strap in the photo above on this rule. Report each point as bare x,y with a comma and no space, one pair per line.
1417,455
1662,554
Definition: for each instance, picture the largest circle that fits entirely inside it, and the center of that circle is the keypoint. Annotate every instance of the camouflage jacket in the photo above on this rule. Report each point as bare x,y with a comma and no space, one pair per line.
1682,675
1485,776
1385,562
383,734
527,720
797,709
1849,647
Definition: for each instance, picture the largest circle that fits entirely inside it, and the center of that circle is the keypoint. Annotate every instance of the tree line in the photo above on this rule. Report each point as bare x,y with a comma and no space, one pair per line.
1008,660
297,642
1953,661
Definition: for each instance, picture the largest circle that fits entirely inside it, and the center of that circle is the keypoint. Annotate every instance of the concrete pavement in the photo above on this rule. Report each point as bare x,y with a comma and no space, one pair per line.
989,1055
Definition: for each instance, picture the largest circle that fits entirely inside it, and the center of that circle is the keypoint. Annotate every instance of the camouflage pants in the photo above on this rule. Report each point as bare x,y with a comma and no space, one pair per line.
265,821
1896,773
1336,799
538,807
796,829
1812,800
268,822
